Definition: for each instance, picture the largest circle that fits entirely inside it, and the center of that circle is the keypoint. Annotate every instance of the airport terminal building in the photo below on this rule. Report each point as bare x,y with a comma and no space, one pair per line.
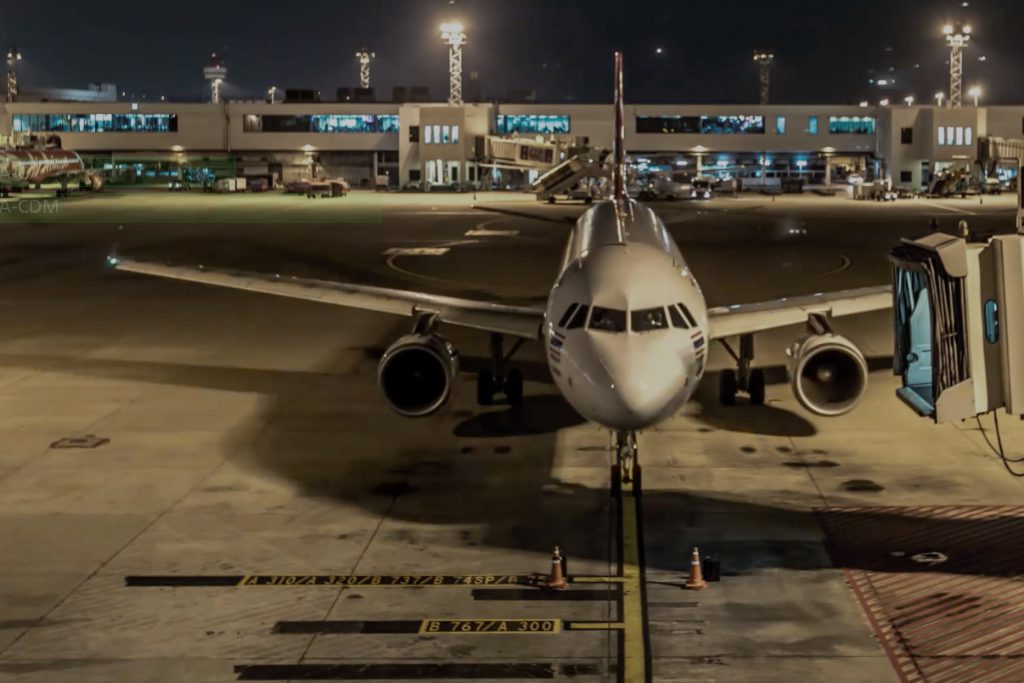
505,145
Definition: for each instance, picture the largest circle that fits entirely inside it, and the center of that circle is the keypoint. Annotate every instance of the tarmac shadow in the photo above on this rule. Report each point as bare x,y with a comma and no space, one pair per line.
544,414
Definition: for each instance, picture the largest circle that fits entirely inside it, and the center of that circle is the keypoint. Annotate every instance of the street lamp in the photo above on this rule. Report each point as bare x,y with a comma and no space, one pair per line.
957,37
454,35
909,99
884,103
939,97
975,92
272,94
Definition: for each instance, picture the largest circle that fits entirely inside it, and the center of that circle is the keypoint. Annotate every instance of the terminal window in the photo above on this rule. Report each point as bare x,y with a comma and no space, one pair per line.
812,125
95,123
906,136
544,124
440,135
705,125
955,135
780,125
851,125
321,123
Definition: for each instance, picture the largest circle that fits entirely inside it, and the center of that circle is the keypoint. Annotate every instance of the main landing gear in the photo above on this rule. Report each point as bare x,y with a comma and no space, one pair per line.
752,381
626,470
496,379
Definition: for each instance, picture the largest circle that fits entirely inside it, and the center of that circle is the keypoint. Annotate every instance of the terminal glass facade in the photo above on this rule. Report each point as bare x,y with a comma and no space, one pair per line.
533,123
95,123
704,125
851,125
321,123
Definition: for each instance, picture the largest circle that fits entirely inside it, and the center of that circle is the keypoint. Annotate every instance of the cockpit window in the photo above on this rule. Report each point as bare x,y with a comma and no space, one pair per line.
689,316
579,319
677,318
649,320
568,315
608,320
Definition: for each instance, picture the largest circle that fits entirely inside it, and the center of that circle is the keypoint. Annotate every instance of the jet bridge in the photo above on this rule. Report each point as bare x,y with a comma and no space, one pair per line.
993,151
561,179
959,325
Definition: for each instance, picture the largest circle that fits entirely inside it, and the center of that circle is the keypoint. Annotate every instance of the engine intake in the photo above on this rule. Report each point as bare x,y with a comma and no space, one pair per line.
417,373
828,374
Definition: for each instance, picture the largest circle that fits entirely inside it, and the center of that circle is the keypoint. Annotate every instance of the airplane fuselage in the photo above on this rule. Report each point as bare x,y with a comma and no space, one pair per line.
627,325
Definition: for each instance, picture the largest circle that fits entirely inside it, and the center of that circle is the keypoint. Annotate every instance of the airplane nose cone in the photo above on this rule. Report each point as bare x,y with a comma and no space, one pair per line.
645,384
642,401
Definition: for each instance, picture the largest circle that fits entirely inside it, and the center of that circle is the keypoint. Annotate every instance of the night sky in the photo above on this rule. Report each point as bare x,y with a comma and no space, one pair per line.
560,49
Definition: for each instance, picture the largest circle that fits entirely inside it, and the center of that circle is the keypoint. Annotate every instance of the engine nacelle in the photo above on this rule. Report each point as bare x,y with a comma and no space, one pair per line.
828,374
417,373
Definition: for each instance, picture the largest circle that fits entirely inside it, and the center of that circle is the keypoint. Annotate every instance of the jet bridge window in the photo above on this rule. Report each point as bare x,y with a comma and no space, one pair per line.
649,320
608,320
579,319
992,322
568,315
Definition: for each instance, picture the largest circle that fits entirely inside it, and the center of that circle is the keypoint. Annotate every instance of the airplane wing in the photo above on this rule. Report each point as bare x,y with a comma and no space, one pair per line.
758,317
481,315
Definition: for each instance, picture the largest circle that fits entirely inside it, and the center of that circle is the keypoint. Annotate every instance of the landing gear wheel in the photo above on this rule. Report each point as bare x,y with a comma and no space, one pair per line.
755,387
727,388
514,388
485,388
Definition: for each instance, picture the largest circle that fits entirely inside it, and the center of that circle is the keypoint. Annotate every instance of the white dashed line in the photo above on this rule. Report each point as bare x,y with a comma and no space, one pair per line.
417,251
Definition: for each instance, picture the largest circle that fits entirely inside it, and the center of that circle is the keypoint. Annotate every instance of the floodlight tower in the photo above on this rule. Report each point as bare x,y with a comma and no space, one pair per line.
216,73
957,37
765,61
365,57
454,35
11,86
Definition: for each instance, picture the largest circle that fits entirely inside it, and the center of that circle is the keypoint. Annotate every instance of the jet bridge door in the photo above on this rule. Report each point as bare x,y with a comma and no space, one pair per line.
931,339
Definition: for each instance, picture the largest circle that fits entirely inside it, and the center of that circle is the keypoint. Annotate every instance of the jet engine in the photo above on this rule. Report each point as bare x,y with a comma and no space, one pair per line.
828,374
417,374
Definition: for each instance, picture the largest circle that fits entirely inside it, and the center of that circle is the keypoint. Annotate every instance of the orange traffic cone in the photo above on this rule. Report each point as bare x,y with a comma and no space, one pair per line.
557,580
696,582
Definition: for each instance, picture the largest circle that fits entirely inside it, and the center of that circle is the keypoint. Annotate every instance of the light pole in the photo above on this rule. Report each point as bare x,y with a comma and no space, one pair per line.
215,73
957,37
909,99
272,94
11,90
939,97
765,61
454,35
975,92
365,57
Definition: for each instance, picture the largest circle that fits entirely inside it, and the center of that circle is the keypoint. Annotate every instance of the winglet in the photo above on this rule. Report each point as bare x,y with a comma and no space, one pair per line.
619,142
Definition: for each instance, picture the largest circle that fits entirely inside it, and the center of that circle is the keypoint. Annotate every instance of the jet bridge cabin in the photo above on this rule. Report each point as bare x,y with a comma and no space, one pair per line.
959,325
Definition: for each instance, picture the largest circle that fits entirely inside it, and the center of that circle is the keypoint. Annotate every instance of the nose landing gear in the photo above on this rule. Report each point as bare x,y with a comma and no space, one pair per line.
626,469
495,379
744,378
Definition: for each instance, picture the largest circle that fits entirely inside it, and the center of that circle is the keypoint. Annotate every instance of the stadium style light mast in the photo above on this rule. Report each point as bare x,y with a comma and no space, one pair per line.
765,61
957,37
11,85
365,57
454,35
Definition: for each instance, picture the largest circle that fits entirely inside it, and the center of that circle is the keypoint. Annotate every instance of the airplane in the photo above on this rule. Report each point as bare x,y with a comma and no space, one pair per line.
626,327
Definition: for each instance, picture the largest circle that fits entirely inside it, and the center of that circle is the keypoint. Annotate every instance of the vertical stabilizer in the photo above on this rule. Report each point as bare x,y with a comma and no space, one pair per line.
619,143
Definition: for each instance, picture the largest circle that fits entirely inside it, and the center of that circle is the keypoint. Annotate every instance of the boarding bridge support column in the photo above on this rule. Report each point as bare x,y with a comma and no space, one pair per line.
1020,198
